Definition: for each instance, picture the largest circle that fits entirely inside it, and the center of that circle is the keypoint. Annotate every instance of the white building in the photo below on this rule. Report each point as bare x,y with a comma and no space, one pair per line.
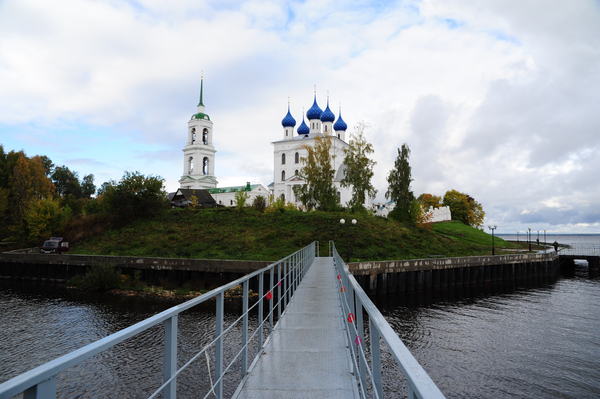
198,152
432,214
289,151
199,161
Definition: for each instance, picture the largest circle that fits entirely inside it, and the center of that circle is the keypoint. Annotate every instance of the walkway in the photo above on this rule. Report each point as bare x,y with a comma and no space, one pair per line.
307,355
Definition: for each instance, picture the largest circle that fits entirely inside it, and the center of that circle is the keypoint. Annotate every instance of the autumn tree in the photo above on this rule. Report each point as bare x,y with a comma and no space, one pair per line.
464,208
359,169
399,180
44,218
319,191
429,201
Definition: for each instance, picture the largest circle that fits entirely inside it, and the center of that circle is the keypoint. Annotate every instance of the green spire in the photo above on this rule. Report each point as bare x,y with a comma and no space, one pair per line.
201,103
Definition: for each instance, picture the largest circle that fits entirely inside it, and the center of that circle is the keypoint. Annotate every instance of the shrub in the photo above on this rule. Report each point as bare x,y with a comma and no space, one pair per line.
240,199
259,203
98,278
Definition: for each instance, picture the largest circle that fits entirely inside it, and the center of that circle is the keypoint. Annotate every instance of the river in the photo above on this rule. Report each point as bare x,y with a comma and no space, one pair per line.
540,342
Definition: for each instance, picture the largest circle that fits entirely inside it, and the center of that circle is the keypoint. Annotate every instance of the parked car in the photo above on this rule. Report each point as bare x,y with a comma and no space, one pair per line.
54,245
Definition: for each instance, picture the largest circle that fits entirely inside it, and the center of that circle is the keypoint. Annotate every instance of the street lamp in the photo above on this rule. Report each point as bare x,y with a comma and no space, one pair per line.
343,222
493,246
529,238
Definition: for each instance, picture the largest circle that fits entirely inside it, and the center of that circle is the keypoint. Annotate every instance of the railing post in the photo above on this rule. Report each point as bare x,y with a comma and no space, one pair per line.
261,290
273,298
43,390
359,339
170,357
219,346
375,358
279,300
245,328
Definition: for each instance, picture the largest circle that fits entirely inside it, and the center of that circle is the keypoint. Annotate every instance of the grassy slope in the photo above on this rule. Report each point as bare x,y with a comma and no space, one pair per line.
229,234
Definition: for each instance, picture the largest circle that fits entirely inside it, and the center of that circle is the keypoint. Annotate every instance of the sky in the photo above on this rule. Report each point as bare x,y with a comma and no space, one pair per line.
498,99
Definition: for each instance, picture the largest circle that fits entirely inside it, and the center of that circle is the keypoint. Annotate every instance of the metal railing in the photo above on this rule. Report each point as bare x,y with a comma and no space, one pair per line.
355,302
283,279
593,250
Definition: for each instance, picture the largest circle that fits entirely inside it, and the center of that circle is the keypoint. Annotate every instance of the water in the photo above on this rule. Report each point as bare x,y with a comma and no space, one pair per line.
541,342
38,326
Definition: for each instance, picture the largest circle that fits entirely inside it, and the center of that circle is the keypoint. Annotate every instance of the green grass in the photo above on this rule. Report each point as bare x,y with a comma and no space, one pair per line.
226,233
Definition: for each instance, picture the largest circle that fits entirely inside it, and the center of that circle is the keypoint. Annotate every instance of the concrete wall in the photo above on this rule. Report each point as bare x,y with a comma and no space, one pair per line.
417,275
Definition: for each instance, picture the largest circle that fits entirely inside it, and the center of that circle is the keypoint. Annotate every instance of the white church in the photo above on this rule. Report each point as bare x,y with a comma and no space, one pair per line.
199,155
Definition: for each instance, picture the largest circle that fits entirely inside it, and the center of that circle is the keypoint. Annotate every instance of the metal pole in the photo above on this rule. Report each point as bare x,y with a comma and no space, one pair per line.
375,358
245,328
358,342
529,238
279,300
260,308
219,346
273,297
545,237
43,390
170,357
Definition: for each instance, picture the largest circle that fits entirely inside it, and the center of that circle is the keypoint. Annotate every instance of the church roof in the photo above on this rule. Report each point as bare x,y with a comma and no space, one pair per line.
315,111
233,189
327,115
200,115
288,120
340,124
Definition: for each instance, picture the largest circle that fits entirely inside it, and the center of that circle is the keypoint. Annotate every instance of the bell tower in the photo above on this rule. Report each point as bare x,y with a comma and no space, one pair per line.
198,152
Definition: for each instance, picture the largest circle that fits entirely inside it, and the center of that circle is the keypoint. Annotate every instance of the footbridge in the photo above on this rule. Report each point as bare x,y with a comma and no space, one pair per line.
306,329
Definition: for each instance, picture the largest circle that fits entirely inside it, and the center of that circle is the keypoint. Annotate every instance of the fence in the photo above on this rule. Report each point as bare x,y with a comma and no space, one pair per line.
283,278
593,250
355,302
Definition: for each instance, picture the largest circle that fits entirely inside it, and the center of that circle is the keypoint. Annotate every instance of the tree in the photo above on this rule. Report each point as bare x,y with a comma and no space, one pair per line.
135,196
319,191
87,186
359,169
240,199
66,182
430,201
464,208
399,180
45,217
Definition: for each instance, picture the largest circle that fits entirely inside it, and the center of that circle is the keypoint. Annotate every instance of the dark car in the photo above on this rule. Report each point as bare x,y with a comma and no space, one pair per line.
54,245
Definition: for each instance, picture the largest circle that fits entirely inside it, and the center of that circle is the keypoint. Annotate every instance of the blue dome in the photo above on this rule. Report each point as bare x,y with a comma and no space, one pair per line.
288,120
314,112
327,115
303,128
340,124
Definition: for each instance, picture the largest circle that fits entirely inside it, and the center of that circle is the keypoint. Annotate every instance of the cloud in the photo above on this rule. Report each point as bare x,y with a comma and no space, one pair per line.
495,100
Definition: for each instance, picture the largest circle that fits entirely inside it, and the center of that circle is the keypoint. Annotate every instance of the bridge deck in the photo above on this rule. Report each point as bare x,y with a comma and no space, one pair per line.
307,354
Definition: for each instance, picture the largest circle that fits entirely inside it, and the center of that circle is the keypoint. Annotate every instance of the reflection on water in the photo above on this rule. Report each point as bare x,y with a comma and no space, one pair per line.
538,342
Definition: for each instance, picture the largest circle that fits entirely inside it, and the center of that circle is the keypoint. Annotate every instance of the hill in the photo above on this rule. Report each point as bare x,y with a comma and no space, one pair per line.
227,233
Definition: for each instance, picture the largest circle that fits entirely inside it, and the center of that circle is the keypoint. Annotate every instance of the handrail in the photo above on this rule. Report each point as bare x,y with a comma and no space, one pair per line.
354,303
40,382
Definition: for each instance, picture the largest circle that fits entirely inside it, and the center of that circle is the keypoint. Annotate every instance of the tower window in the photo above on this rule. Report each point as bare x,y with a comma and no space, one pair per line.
193,139
190,165
205,166
297,158
325,127
339,136
282,175
205,136
283,159
296,172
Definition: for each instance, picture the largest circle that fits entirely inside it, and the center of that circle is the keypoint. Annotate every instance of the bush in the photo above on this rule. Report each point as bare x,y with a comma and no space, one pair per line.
240,199
259,203
98,278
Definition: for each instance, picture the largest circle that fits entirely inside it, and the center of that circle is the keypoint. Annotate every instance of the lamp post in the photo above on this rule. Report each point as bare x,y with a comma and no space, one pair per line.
493,246
545,237
517,236
529,238
343,222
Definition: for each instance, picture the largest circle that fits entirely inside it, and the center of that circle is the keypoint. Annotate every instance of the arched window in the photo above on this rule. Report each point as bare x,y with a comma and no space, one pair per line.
339,136
296,172
325,127
283,159
282,197
205,136
282,175
205,166
190,165
193,140
297,158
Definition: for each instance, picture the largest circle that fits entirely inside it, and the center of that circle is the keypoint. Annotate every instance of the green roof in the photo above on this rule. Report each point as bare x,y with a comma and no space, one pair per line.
200,115
233,189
